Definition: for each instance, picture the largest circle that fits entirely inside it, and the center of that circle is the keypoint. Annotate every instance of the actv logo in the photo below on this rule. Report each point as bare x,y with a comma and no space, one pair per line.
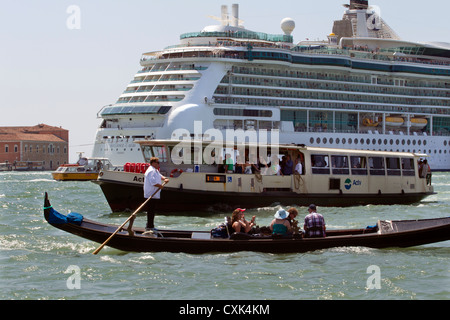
349,183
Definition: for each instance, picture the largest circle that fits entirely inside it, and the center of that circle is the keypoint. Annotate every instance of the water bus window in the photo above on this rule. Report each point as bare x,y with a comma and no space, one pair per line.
376,166
155,151
393,166
408,167
339,164
320,164
359,165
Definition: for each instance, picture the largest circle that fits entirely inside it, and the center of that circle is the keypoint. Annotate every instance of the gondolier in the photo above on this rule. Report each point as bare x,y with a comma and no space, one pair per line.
153,182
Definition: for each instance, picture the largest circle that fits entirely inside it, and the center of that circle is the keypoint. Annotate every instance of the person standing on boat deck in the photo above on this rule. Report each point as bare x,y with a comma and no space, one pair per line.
280,225
298,166
153,181
314,223
288,166
426,171
238,222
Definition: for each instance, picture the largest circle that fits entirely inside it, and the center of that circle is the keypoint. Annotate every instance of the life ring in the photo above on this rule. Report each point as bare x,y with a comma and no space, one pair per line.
175,170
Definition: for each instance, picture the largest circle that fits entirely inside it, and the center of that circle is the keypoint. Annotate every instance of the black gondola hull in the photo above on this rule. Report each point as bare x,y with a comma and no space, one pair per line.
418,232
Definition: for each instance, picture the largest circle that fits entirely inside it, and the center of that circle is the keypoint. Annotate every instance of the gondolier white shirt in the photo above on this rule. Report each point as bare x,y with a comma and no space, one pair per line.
152,177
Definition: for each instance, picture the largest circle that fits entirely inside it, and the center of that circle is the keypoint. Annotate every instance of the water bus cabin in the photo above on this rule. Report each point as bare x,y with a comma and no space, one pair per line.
214,175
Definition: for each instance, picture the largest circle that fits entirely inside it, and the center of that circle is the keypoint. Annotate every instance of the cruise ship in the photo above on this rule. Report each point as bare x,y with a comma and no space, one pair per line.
361,88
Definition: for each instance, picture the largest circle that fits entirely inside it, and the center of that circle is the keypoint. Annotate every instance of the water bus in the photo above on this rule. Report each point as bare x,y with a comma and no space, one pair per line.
329,177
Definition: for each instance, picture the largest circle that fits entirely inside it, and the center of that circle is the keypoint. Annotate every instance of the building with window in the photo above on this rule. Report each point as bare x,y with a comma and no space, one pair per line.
41,146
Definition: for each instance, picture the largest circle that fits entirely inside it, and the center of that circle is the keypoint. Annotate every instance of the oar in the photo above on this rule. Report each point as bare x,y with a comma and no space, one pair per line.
129,218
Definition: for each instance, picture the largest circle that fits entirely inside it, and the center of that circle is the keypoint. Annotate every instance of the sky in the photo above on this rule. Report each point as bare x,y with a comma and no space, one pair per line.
62,61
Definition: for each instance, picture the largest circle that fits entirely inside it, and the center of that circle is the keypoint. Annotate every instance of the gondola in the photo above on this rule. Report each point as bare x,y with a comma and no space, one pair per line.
384,234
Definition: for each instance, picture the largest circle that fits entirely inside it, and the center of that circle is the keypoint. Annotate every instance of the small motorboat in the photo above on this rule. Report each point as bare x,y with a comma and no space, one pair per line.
384,234
84,169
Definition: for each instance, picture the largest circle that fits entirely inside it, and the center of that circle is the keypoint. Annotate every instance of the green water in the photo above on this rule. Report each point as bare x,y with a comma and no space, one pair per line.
34,256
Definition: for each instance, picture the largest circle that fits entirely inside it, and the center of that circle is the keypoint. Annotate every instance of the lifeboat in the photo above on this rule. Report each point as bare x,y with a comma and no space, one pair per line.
419,122
394,121
369,122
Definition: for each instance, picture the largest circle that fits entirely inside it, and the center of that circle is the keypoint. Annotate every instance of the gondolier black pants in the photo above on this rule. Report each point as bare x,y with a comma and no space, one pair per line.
151,209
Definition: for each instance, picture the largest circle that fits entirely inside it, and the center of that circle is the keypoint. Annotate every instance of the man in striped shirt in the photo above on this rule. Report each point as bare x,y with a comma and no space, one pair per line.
314,223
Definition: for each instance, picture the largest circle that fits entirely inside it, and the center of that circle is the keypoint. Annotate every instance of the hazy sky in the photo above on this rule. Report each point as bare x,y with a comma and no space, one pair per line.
61,76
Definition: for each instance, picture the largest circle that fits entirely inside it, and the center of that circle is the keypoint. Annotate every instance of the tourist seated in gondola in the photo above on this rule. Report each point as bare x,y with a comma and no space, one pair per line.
314,224
280,225
238,222
293,213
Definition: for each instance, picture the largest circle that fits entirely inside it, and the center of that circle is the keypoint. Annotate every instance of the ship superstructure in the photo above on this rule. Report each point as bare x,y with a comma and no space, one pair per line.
362,88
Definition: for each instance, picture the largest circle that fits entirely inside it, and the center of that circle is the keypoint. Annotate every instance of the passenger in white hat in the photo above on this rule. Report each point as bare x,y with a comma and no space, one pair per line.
280,225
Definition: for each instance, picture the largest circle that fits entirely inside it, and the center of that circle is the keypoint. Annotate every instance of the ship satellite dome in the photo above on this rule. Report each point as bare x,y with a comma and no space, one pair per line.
288,25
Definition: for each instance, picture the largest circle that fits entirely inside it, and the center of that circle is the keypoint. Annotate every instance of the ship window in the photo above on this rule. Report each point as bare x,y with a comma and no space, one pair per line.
339,164
242,112
393,166
408,167
320,164
376,166
359,165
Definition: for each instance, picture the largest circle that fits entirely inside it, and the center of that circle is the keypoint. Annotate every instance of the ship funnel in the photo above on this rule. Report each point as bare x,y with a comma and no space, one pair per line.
235,15
224,17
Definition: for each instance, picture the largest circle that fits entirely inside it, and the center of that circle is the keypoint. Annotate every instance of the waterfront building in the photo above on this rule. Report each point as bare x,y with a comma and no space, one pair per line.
34,147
